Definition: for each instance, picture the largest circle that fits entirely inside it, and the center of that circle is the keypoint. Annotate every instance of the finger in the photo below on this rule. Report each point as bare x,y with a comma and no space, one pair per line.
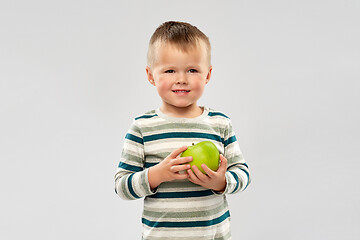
208,171
176,152
192,177
178,168
202,177
182,160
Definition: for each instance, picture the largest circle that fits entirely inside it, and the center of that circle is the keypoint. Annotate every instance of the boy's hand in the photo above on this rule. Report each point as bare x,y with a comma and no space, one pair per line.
169,168
213,180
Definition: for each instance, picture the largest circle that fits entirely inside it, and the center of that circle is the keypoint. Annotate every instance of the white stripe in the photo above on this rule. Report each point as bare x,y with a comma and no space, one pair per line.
181,130
189,209
176,203
133,148
150,122
197,233
171,144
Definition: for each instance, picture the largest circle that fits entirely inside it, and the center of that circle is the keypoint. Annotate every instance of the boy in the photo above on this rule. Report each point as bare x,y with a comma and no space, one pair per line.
180,202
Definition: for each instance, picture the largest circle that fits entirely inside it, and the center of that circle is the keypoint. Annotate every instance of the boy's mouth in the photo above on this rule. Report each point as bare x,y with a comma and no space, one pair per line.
181,91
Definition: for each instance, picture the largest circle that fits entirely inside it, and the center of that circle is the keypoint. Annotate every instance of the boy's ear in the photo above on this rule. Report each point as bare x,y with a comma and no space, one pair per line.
150,76
208,75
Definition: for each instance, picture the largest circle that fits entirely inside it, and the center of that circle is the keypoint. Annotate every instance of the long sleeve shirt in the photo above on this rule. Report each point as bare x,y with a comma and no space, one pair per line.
179,209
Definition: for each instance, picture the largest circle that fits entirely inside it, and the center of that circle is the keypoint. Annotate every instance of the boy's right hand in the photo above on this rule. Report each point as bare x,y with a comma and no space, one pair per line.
169,169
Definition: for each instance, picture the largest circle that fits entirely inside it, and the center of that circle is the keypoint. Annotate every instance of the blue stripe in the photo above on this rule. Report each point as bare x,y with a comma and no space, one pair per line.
189,224
230,140
244,165
130,167
182,194
130,186
146,116
182,135
134,138
148,165
237,181
212,114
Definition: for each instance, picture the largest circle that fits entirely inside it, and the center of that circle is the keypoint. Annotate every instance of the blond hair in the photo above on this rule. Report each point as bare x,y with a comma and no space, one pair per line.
182,34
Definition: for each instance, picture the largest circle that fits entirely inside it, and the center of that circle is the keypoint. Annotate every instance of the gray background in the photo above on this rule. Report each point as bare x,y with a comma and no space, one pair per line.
73,77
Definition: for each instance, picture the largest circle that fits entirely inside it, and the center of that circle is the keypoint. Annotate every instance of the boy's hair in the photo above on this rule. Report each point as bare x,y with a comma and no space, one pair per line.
182,34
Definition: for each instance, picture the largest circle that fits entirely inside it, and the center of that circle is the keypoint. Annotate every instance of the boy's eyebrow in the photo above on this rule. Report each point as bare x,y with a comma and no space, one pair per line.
168,66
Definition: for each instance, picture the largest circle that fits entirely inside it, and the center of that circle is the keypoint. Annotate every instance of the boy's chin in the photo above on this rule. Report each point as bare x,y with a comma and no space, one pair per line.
180,105
184,106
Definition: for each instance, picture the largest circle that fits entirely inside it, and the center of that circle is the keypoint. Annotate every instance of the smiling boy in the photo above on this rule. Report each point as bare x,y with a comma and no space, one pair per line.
188,68
180,202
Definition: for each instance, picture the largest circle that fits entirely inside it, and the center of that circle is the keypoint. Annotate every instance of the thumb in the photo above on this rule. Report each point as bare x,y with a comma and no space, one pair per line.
223,163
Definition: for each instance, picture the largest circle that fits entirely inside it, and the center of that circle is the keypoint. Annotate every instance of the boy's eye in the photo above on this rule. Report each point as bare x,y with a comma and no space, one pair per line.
169,71
193,71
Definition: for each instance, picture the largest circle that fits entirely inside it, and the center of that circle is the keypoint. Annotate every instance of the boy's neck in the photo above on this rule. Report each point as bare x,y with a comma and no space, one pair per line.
191,111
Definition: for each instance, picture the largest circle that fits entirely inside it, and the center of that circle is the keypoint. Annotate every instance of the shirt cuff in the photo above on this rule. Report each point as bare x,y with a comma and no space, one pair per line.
148,190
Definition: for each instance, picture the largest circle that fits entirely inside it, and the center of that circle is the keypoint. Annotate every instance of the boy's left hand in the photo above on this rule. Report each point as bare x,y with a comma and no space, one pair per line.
213,180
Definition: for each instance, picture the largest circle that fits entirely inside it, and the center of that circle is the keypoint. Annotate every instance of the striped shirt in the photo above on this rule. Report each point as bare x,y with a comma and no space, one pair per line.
179,209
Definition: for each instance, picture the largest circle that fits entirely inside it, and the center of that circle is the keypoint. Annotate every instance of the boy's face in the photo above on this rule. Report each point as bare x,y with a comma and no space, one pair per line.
179,77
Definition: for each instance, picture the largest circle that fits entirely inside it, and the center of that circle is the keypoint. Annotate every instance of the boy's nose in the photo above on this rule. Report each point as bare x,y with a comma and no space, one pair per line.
181,79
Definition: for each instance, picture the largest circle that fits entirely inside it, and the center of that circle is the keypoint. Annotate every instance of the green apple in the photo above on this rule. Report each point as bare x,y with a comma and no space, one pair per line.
203,153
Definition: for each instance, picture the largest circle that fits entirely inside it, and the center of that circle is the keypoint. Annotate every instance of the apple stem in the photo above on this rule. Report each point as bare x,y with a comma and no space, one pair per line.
193,144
